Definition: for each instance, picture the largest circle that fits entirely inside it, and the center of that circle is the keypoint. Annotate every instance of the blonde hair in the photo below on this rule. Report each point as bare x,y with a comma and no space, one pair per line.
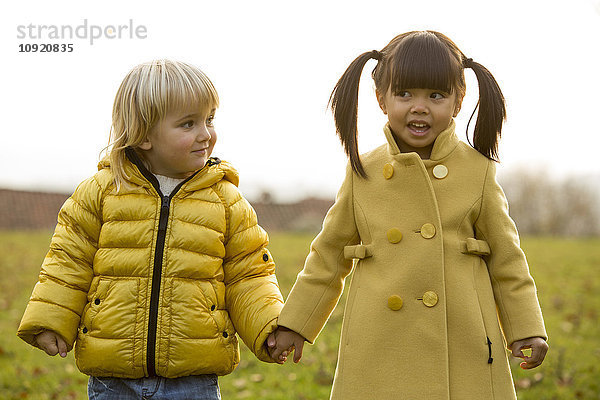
146,95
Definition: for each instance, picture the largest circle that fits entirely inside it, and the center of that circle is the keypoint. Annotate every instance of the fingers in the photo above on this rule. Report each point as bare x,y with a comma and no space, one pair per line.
52,344
298,346
517,352
278,359
62,346
275,353
538,347
278,354
283,342
47,342
271,342
284,355
517,348
538,353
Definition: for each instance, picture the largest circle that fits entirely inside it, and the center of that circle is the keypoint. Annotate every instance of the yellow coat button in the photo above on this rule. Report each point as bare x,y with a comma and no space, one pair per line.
394,235
395,302
430,298
428,231
388,171
440,171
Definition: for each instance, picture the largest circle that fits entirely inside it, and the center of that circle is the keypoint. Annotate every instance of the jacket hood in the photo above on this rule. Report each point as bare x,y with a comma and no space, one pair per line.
213,171
444,144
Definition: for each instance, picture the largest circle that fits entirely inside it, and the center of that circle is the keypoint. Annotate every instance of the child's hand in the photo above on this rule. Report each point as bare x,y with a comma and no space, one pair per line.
282,342
272,346
51,343
538,347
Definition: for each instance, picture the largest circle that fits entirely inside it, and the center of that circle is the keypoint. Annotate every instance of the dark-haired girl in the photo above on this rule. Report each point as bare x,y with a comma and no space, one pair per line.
441,286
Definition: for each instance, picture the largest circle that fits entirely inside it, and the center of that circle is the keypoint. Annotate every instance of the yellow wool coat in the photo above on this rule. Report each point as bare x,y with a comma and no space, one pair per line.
146,284
438,261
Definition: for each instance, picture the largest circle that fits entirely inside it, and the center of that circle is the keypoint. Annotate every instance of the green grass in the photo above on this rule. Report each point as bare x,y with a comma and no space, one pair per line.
566,272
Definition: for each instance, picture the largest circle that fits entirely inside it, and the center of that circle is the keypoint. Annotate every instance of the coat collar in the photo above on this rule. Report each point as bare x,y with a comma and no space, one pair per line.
445,143
213,171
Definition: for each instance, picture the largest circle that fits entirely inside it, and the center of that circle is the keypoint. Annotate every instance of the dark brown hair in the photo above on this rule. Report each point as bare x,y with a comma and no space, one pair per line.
419,59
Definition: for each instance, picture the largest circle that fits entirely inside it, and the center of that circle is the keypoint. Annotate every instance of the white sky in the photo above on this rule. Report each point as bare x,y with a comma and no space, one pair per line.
274,64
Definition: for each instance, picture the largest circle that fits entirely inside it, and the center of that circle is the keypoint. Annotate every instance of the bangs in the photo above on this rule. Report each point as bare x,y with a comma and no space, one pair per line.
422,61
189,87
166,85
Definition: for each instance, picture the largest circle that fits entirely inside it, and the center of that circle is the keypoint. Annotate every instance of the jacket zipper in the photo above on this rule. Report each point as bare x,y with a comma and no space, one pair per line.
156,281
163,221
161,237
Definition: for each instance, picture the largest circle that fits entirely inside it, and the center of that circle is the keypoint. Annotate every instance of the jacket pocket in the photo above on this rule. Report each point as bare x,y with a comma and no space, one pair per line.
486,304
95,304
348,309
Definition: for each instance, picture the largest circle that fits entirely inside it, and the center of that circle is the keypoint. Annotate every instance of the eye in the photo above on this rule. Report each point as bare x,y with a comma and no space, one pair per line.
187,124
210,120
403,93
437,96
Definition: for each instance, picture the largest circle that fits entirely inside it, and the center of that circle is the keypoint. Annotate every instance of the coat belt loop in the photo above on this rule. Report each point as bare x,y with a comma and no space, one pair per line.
476,247
358,251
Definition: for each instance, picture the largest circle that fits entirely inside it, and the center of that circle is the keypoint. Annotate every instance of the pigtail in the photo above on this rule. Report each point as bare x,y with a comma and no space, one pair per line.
492,111
344,106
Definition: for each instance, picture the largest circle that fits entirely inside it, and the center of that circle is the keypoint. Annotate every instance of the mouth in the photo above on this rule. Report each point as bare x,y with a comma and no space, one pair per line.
418,128
200,151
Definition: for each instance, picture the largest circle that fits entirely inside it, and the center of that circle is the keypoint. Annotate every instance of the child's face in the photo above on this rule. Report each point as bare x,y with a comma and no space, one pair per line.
179,145
418,116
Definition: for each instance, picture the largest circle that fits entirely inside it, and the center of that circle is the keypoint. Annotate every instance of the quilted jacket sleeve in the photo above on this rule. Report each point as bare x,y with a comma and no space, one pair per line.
252,293
513,286
319,285
60,294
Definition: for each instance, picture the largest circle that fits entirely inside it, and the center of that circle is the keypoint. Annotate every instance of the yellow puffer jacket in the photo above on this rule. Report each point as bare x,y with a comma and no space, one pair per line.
150,285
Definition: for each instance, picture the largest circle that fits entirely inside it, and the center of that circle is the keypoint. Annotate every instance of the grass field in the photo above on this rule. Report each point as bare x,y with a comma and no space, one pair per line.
566,272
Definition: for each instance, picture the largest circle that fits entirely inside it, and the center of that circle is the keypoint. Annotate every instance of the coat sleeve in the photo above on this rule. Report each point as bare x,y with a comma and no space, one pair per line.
60,294
514,289
320,284
252,293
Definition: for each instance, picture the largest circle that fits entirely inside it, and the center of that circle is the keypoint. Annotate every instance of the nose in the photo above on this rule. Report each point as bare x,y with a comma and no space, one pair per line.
419,107
203,134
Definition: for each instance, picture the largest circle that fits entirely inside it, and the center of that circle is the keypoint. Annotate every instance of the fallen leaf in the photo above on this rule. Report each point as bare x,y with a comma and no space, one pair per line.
523,383
565,380
239,383
38,371
244,394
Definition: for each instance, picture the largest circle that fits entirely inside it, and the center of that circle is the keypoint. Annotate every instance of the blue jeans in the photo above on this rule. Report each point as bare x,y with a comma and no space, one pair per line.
198,387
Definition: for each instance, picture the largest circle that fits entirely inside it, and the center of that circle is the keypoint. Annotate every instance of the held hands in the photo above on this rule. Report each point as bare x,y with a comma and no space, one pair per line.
52,343
538,347
281,343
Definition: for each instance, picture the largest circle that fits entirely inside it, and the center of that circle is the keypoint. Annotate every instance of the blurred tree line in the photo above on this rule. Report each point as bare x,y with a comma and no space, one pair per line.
543,205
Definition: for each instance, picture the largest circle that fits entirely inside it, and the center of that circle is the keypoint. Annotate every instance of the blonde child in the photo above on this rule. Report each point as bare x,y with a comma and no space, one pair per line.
157,260
440,284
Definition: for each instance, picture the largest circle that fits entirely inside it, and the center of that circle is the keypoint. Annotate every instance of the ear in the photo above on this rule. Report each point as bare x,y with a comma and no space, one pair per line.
147,145
380,100
457,106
